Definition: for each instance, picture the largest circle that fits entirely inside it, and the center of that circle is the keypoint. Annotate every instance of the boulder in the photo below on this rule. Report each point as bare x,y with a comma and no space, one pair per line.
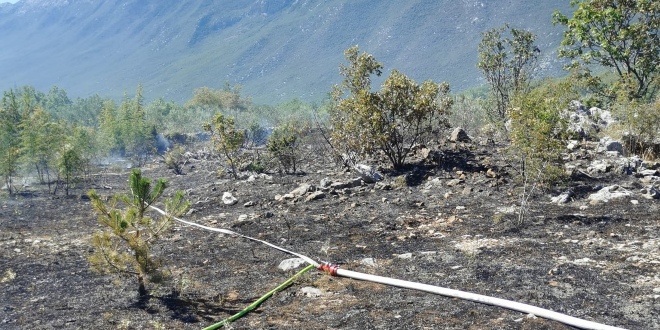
315,195
302,190
608,144
563,198
651,193
228,198
368,173
608,193
292,263
459,135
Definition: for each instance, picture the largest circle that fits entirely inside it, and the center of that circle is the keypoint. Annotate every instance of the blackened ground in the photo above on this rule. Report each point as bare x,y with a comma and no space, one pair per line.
598,262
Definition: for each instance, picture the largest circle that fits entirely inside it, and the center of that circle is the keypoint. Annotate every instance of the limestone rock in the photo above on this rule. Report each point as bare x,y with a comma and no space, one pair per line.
459,135
290,264
651,193
608,193
368,173
228,198
563,198
302,190
609,144
314,196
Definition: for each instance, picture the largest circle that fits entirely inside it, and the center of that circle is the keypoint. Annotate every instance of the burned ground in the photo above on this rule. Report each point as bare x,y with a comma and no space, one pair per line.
450,223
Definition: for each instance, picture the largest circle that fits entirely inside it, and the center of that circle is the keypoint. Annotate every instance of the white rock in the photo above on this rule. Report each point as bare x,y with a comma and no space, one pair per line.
370,262
228,198
609,144
608,193
459,135
368,173
289,264
563,198
301,190
311,292
404,256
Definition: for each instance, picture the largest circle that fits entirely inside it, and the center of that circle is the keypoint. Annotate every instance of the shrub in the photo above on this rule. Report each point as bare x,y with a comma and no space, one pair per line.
227,139
174,159
125,248
538,130
640,127
392,120
284,146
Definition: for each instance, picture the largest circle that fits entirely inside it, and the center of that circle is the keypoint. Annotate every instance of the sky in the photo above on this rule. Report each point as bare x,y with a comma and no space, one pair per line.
12,1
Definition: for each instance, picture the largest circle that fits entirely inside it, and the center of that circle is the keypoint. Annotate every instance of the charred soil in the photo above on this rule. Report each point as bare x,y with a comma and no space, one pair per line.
451,223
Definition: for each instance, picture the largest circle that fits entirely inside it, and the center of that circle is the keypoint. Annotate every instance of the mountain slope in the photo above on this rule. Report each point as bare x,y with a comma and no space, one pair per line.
277,49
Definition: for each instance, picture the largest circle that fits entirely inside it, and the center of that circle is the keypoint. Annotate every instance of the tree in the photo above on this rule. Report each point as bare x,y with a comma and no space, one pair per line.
126,248
538,136
109,132
10,138
392,120
227,99
619,34
507,58
227,140
69,164
40,137
139,138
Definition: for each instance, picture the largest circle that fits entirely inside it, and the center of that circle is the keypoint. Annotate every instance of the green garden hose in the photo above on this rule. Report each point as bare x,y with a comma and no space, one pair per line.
258,302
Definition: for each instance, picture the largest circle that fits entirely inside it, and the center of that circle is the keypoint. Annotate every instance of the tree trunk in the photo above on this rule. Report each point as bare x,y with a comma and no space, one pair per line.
142,290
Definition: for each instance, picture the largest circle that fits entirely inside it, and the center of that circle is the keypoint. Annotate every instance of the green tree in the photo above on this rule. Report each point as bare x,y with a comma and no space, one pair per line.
70,165
40,138
109,135
10,138
507,59
139,137
227,139
125,248
619,34
392,120
228,99
57,103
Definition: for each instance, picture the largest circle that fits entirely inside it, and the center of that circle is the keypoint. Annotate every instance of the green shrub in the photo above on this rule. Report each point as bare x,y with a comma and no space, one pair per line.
639,127
538,130
227,139
284,146
402,114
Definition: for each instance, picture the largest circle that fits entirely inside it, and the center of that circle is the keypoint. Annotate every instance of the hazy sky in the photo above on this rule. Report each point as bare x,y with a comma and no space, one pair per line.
12,1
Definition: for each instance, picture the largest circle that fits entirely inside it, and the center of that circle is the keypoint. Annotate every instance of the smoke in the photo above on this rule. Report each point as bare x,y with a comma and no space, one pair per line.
162,143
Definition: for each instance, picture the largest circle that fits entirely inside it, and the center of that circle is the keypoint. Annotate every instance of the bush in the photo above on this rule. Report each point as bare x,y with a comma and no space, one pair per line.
402,114
227,139
640,127
284,146
126,248
538,130
174,159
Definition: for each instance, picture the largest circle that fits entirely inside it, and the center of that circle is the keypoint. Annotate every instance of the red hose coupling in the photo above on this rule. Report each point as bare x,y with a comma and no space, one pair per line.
329,268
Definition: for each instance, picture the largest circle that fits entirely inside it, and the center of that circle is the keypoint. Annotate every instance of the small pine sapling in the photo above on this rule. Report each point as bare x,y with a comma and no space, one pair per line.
125,248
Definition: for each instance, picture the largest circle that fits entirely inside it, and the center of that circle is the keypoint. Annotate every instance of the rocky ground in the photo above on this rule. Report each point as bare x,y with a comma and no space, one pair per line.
589,249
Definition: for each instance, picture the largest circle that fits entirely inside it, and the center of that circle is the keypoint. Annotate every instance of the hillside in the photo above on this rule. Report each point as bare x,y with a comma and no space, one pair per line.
277,49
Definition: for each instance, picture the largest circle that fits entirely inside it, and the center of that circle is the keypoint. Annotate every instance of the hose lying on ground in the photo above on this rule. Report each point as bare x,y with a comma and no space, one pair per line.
258,302
336,271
